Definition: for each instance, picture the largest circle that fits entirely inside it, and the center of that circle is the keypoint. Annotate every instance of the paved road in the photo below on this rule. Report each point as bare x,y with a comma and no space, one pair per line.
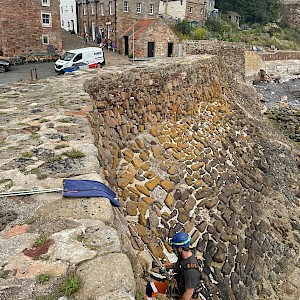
26,72
23,72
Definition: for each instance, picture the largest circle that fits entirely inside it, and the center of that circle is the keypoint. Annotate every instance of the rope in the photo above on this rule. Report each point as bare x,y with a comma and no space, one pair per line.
24,193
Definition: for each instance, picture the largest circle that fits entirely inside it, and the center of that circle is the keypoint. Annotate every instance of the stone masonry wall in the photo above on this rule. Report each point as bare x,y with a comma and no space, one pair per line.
231,53
280,55
187,148
21,28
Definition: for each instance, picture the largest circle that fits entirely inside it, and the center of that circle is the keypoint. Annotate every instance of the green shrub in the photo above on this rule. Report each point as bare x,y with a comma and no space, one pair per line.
71,285
43,278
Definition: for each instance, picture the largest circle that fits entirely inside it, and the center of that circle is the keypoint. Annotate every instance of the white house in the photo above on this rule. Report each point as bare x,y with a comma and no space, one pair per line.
68,15
175,9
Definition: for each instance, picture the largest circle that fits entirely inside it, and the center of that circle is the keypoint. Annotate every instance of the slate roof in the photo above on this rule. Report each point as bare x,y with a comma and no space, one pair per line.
138,28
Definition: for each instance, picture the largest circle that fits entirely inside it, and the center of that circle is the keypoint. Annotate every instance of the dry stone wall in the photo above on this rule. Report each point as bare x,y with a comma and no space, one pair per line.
187,148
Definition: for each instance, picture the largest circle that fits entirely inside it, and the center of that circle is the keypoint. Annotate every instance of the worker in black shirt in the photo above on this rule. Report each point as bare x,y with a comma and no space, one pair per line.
187,270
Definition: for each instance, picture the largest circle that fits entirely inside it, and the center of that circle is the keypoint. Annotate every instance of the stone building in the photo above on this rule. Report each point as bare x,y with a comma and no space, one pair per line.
68,15
192,11
29,26
112,18
149,38
234,17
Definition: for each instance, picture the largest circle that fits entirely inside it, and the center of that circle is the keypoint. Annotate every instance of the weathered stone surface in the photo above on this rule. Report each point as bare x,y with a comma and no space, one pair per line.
84,208
114,284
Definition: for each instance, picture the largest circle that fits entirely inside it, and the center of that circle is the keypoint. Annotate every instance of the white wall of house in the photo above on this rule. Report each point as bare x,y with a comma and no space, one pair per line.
68,17
176,8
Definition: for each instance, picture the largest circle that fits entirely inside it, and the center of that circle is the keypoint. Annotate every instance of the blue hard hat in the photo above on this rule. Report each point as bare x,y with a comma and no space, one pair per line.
180,239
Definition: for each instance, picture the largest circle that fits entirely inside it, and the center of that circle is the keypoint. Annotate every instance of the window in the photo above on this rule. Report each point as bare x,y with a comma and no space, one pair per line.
138,8
77,57
45,2
84,10
62,23
93,9
45,39
110,7
62,10
102,9
72,9
125,6
46,20
151,9
191,9
68,24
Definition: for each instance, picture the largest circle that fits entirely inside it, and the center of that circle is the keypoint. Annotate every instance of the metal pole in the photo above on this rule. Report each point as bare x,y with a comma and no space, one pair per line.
133,44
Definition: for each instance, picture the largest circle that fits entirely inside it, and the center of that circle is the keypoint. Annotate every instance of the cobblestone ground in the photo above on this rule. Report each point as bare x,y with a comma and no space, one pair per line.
72,41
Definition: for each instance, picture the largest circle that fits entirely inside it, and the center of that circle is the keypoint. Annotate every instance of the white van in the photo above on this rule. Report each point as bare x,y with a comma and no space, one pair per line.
80,57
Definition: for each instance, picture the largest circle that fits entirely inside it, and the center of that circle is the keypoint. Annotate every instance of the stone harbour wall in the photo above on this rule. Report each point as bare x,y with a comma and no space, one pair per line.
233,54
187,148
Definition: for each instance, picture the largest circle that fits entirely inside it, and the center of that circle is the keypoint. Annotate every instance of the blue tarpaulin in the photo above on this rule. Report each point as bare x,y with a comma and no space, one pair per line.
89,188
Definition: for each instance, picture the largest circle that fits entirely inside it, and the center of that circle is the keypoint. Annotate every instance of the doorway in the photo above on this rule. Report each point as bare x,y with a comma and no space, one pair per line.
150,49
170,49
126,52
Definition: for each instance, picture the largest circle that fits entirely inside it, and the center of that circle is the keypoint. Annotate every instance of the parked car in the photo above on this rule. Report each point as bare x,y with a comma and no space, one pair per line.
4,65
80,58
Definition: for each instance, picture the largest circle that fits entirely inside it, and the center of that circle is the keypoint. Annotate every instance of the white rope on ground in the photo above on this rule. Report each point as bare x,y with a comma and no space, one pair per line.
24,193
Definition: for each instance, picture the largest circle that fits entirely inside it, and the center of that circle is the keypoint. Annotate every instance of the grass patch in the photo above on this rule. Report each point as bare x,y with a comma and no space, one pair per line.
44,257
80,238
34,171
42,278
40,241
31,220
73,153
64,120
60,146
27,154
35,136
54,158
44,121
71,285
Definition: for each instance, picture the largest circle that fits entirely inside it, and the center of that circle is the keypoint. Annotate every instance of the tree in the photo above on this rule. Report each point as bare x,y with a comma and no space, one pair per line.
251,11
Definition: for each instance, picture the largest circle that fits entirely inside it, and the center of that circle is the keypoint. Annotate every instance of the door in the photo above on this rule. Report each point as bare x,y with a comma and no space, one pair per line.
150,49
126,52
170,49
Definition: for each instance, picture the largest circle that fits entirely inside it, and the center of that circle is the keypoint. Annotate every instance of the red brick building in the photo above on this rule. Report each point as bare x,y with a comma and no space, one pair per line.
29,26
149,38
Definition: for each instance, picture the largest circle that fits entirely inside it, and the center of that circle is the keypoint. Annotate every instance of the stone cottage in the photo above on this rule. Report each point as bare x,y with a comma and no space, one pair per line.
234,17
29,26
149,38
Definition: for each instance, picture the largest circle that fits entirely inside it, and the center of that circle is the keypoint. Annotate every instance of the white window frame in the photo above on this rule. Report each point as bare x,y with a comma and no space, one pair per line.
139,8
110,8
151,9
191,9
125,6
42,19
102,9
45,2
45,36
92,9
84,10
